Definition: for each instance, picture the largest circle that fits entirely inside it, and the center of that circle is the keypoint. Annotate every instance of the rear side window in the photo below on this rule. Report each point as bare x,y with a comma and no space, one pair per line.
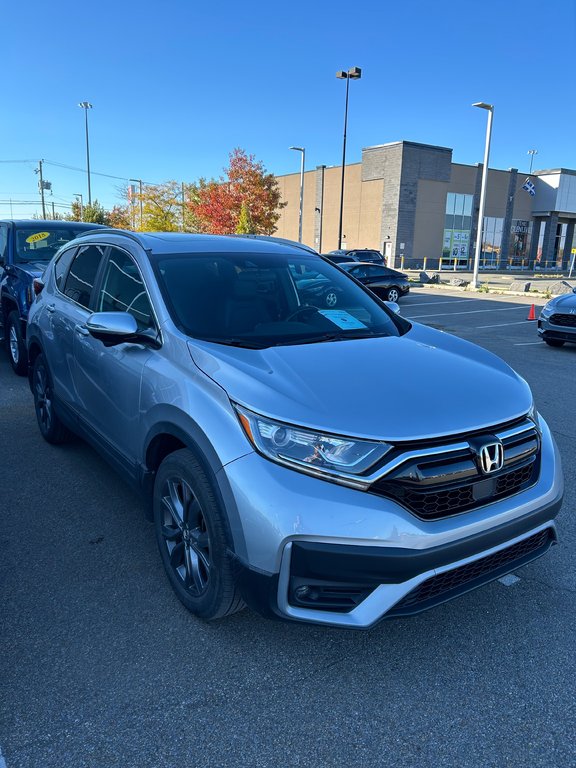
3,241
123,290
61,266
82,275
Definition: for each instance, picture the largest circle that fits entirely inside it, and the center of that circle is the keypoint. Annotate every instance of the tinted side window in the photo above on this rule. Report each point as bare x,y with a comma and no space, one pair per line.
82,274
61,266
123,290
376,272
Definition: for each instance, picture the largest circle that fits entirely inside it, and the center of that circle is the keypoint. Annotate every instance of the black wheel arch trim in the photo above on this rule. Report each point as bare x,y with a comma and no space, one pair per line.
195,440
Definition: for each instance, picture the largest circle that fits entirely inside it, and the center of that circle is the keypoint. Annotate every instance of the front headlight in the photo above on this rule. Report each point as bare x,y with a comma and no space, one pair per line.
340,459
547,310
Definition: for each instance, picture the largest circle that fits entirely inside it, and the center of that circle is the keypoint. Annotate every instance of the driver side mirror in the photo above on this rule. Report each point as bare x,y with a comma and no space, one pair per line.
393,307
112,328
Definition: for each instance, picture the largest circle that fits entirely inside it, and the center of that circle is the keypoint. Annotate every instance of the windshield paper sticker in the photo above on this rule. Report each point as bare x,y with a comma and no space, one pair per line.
341,318
38,236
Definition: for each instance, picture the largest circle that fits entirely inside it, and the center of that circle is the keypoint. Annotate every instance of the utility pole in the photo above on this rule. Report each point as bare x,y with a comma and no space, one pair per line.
41,185
53,212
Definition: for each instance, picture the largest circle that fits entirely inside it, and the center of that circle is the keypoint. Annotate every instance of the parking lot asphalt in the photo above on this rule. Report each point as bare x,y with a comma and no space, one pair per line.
101,666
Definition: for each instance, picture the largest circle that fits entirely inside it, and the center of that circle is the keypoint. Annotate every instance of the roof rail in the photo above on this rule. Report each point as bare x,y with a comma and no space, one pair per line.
114,231
282,240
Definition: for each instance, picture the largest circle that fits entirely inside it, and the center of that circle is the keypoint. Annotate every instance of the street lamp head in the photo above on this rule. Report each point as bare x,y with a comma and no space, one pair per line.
532,152
483,105
85,105
298,149
354,73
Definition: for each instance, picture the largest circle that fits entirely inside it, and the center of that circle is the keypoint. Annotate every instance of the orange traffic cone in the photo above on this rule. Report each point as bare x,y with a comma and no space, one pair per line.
532,313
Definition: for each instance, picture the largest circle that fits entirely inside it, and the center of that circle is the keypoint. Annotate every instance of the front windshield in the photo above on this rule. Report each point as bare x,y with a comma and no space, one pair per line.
40,243
262,300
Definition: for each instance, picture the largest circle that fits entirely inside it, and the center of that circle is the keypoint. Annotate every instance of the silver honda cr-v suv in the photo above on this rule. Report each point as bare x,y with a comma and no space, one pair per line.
212,375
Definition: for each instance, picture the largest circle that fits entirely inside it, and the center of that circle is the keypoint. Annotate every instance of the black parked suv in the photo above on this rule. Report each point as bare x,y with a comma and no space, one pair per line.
26,247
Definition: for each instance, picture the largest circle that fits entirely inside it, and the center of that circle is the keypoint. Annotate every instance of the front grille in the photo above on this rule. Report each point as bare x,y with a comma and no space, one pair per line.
438,485
568,321
445,585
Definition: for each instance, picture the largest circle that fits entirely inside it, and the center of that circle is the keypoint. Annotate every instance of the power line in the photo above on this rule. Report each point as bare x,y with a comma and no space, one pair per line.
81,170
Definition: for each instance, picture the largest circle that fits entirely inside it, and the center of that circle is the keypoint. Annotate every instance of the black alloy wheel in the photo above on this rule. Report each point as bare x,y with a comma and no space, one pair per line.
15,344
193,537
51,428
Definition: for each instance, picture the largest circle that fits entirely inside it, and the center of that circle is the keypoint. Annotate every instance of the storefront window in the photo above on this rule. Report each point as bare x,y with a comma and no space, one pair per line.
520,238
491,242
560,244
457,226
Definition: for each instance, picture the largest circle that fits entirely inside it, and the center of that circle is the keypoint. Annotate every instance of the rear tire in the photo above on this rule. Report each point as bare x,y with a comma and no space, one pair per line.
191,532
51,428
15,344
554,342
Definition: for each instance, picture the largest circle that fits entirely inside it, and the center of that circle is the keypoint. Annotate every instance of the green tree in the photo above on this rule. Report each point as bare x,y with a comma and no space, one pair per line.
245,225
94,213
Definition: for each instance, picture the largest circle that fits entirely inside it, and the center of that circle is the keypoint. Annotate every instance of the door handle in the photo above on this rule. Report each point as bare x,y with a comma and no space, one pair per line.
81,330
50,308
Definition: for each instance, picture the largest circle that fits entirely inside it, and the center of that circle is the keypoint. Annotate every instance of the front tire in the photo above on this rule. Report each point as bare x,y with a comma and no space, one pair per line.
51,428
191,532
554,342
393,294
15,343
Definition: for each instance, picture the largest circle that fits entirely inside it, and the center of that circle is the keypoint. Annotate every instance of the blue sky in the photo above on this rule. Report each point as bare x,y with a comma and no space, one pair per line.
176,86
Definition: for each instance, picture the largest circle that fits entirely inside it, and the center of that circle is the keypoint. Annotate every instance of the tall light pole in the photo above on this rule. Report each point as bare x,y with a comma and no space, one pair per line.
140,182
86,106
532,152
490,109
79,194
302,160
354,73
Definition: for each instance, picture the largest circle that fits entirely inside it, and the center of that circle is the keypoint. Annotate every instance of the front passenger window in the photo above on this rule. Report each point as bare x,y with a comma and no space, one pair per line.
82,274
123,290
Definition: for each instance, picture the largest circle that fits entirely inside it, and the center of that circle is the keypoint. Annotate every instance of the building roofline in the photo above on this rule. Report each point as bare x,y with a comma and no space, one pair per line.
409,144
551,171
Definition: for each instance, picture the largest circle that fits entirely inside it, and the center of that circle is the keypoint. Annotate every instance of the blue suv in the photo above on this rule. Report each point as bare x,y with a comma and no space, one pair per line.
26,247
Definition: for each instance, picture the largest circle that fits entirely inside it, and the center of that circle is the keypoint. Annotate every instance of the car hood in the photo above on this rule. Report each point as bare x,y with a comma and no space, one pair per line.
421,385
565,302
33,268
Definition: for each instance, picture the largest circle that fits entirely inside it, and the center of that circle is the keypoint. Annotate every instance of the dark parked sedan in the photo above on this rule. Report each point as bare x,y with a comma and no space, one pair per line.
387,284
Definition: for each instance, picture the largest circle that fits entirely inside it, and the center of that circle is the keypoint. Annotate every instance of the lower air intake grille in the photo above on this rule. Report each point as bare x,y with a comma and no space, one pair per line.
568,321
438,588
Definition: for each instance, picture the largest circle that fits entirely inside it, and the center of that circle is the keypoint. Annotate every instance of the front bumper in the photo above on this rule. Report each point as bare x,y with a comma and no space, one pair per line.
313,551
547,330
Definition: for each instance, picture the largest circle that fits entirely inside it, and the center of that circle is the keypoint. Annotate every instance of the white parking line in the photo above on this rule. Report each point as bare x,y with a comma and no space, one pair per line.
503,325
469,312
2,761
432,303
525,343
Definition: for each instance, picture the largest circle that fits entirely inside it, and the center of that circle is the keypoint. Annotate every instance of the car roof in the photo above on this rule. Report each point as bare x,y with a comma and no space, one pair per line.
183,242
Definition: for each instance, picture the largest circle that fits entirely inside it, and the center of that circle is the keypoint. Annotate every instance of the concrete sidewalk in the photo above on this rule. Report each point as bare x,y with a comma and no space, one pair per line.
501,282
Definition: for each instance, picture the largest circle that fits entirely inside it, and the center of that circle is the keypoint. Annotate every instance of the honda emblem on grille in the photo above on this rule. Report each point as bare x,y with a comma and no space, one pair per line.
491,457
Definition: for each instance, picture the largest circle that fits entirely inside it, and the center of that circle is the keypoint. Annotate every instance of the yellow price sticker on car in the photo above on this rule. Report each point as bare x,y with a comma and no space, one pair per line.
38,236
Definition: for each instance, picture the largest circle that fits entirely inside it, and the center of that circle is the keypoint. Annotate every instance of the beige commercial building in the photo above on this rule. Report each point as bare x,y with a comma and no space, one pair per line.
412,203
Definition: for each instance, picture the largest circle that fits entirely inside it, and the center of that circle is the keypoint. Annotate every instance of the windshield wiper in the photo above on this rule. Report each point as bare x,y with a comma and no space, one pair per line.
234,341
365,334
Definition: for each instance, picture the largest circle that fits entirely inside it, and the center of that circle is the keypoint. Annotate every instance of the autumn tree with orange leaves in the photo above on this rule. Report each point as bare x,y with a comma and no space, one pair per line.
217,206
